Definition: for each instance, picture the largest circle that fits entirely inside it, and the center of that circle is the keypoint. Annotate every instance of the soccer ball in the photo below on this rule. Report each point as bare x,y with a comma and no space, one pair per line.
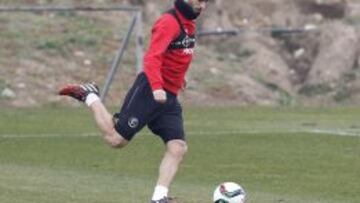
229,192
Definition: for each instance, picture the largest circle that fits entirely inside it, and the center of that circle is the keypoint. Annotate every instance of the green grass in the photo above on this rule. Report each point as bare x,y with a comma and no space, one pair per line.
291,155
32,35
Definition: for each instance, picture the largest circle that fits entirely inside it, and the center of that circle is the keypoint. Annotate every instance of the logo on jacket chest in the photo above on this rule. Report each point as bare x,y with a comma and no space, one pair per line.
188,43
185,42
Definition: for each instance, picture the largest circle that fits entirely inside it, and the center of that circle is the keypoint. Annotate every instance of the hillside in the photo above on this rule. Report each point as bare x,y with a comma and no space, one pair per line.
288,52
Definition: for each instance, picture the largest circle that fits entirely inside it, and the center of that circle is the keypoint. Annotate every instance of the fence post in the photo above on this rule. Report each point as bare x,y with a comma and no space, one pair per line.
139,42
117,60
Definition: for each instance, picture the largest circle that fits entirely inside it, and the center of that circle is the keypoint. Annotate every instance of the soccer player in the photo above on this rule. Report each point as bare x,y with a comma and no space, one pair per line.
152,100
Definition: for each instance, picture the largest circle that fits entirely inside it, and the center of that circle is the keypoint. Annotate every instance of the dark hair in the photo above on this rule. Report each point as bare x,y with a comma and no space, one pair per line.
186,9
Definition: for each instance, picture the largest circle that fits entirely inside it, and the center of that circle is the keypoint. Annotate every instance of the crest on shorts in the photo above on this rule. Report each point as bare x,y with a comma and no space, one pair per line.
133,122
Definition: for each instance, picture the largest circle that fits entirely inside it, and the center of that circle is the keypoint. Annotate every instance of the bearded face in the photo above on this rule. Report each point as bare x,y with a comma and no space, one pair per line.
197,5
191,9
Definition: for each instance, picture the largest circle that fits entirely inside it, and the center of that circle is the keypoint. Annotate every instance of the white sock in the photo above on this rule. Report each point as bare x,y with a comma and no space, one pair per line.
159,192
91,98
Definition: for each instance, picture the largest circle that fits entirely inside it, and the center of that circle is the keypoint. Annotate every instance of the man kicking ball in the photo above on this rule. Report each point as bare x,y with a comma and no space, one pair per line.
152,100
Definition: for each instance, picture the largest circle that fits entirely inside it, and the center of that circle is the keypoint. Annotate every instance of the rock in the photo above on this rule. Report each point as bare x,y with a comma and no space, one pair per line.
250,91
299,52
7,93
87,62
21,85
266,65
337,54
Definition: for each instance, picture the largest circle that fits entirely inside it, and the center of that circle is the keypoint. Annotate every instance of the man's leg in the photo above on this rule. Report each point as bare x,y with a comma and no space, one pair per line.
104,121
169,126
175,151
88,93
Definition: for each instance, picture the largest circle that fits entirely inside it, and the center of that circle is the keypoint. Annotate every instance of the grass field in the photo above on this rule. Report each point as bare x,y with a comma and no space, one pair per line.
287,155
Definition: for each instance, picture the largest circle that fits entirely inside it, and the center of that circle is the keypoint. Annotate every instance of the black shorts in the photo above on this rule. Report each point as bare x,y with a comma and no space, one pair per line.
140,109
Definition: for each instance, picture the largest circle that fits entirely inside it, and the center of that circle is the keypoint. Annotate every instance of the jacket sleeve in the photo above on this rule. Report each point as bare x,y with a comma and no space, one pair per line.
164,31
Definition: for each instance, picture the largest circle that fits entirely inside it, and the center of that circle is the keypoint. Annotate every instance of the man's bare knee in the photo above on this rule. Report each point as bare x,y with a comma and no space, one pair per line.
116,141
117,144
177,147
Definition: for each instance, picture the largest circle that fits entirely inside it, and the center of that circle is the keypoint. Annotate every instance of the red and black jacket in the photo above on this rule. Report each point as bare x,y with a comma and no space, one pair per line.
170,51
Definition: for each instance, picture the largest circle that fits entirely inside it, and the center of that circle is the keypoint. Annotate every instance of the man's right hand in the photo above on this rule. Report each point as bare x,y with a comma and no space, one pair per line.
159,95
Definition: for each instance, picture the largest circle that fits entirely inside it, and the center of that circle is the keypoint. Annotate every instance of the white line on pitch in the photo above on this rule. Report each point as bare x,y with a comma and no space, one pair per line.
337,132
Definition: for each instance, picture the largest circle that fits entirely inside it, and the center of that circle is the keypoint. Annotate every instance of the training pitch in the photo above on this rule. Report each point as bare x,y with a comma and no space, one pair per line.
279,155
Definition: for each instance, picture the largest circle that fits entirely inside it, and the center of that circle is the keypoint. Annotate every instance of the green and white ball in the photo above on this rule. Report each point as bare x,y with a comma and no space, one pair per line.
229,192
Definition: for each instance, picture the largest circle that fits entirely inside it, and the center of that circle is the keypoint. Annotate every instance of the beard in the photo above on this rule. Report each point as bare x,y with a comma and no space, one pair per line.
186,9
